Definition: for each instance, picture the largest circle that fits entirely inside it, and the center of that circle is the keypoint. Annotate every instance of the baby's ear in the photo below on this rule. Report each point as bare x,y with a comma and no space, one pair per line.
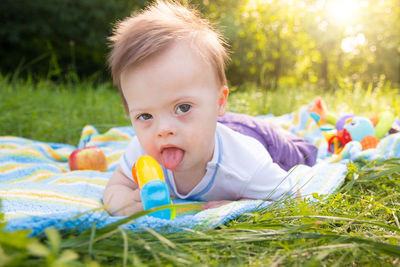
223,98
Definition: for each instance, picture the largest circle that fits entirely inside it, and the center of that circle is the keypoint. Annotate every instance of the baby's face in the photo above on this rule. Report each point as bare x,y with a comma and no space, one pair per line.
174,101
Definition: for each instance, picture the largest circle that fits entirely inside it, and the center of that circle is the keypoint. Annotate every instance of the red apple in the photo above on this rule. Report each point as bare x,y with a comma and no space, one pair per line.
88,158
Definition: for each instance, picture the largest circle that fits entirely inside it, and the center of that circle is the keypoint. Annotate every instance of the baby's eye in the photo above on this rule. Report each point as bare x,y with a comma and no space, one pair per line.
144,117
181,109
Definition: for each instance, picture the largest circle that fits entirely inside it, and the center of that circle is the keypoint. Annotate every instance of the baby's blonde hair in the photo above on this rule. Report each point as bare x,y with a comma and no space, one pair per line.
138,37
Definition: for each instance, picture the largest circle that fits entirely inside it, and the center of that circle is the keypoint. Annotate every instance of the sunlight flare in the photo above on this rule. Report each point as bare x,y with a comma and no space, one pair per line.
342,11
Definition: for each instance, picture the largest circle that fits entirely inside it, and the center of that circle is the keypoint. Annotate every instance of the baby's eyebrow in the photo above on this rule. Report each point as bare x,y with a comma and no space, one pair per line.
183,99
135,110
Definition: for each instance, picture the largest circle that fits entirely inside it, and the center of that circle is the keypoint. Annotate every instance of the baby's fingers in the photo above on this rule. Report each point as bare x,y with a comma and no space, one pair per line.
136,195
214,204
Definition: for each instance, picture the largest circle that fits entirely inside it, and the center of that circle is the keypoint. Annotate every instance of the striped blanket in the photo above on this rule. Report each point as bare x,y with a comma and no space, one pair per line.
37,189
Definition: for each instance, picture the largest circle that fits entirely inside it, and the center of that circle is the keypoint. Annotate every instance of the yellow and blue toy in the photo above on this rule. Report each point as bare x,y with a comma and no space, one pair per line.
154,192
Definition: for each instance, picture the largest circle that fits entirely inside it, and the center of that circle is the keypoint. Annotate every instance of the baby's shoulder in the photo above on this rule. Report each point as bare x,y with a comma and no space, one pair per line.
240,153
234,141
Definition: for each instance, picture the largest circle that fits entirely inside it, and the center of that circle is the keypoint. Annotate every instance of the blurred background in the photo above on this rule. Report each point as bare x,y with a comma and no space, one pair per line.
273,43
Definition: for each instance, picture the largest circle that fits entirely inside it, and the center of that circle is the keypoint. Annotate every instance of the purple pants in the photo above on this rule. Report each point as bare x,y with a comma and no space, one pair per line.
285,148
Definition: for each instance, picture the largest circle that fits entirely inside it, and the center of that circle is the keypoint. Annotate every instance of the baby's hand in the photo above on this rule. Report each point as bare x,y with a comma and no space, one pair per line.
133,204
215,204
128,203
122,195
136,195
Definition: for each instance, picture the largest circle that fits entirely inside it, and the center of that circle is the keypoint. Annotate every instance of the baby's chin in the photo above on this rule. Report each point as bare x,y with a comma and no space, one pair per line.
188,165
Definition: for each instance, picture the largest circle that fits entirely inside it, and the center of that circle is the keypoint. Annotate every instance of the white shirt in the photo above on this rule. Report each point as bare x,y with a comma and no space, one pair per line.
241,167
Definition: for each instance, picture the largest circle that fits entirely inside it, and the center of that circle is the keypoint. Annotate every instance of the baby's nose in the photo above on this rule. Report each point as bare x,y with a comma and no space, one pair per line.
165,129
165,133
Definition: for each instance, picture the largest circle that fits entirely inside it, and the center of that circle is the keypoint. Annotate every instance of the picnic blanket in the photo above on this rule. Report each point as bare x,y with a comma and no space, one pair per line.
37,189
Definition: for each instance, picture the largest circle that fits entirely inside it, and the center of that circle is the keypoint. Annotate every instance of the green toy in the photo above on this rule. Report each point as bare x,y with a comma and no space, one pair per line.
385,121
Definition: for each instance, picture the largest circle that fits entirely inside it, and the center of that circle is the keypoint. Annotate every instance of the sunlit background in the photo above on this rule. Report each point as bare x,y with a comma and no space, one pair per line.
273,43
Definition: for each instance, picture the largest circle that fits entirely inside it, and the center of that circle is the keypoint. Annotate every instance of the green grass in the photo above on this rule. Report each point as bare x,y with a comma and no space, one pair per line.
357,226
57,112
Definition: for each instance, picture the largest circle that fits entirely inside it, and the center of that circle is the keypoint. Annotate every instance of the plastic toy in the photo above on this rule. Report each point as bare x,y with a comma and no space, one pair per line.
359,127
318,110
338,131
337,141
370,141
154,192
385,121
341,121
374,119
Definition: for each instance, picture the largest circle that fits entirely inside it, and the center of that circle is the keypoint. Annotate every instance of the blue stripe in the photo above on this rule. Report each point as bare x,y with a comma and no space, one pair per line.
22,172
210,184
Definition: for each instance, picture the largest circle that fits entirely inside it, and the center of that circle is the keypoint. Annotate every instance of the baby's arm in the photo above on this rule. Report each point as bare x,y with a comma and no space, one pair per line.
219,203
122,196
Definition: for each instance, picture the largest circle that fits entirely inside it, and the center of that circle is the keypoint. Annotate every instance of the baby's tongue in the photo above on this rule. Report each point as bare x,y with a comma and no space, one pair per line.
171,157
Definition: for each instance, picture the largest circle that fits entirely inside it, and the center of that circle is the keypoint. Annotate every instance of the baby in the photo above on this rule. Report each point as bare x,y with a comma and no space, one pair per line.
168,64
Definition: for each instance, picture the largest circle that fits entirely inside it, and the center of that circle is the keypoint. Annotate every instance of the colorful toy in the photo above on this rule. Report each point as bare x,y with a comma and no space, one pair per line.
154,192
319,112
359,127
341,121
337,141
348,127
374,119
370,141
385,121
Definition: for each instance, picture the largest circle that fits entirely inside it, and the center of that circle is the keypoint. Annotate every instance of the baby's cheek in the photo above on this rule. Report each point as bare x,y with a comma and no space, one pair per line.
196,138
149,147
202,142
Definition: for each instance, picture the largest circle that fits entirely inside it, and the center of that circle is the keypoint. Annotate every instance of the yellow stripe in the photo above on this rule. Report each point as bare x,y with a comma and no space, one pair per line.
109,138
114,158
55,155
8,167
8,146
48,195
27,152
43,174
43,177
71,180
117,133
111,162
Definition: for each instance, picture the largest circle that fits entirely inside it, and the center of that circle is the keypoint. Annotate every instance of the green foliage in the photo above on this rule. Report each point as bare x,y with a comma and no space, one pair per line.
52,37
274,43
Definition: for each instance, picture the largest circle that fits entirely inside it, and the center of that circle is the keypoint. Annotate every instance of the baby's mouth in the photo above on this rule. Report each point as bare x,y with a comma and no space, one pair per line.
171,157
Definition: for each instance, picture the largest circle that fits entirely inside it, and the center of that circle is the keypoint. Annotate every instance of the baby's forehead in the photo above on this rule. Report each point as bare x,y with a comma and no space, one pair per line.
182,56
175,49
180,66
